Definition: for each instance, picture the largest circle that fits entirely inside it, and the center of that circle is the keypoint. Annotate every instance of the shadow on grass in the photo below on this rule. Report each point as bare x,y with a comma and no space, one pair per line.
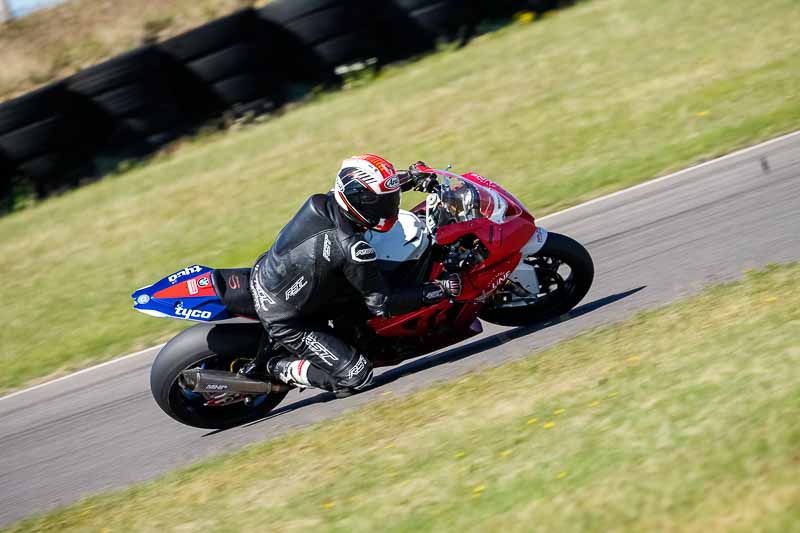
453,354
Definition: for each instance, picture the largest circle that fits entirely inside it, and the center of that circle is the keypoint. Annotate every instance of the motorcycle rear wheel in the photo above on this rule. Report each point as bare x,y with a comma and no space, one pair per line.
560,288
213,347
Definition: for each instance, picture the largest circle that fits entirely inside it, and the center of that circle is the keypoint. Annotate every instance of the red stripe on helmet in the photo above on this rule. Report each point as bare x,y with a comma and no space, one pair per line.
385,167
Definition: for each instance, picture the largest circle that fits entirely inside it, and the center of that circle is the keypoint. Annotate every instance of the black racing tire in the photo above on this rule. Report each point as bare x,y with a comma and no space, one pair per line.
345,49
322,25
542,6
143,109
34,106
212,37
7,172
500,8
244,88
558,302
55,171
206,342
126,69
285,11
441,18
153,120
335,32
128,99
34,139
413,5
235,60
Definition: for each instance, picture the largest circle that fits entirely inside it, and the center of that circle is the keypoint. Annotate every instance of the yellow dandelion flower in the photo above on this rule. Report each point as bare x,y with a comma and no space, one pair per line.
633,359
479,488
594,404
561,475
459,455
548,425
771,299
532,421
526,17
328,505
505,453
558,411
703,114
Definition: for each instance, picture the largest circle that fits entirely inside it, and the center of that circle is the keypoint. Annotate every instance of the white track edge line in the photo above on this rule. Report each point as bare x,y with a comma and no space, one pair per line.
551,215
675,174
83,371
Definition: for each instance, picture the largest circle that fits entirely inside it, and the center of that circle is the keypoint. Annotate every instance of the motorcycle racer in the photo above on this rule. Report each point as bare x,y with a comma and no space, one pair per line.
321,261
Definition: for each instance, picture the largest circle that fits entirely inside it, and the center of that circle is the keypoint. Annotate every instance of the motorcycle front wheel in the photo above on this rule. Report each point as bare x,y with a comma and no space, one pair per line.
212,347
565,272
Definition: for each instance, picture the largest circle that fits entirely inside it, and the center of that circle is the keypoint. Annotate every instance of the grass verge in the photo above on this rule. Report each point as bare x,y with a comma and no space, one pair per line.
681,418
593,99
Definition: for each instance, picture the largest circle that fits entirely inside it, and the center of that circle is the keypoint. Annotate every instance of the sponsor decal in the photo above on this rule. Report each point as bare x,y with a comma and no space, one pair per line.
260,296
392,183
142,299
481,179
319,349
191,313
192,285
363,252
358,368
216,387
203,282
499,280
326,248
296,287
185,272
233,282
434,293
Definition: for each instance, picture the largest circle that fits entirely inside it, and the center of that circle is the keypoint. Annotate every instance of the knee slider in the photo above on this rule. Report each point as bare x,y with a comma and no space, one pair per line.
356,375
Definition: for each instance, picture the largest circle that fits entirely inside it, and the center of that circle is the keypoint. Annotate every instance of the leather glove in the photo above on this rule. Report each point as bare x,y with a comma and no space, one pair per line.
438,290
423,181
451,285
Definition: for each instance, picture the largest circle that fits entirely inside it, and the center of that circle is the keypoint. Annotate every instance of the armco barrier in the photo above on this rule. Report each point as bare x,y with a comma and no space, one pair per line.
131,104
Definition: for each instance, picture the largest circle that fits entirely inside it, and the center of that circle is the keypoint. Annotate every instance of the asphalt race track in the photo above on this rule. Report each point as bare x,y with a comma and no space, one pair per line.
100,429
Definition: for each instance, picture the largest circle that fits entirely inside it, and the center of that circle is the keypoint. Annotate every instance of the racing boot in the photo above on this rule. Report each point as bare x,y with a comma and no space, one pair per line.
293,372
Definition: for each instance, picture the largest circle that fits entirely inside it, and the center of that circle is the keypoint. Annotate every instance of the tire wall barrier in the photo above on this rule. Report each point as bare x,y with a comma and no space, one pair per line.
245,62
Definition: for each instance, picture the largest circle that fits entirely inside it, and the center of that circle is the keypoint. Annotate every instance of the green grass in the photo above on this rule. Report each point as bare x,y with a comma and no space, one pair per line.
593,99
682,418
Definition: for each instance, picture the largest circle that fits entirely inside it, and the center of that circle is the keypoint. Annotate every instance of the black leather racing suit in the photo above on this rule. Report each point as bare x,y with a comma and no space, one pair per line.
318,263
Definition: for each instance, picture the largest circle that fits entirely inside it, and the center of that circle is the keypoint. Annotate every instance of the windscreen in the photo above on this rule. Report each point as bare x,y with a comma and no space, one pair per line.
464,200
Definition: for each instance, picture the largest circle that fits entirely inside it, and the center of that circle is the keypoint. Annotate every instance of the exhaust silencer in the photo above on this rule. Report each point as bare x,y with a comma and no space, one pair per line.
221,382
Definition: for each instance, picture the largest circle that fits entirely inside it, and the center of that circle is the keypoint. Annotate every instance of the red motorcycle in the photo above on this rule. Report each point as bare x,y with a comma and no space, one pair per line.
515,274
